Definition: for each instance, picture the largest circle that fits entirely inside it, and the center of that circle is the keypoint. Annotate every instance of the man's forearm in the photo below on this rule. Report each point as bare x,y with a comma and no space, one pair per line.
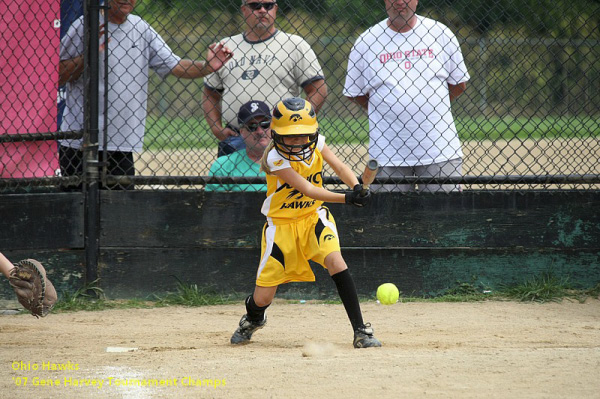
456,90
211,106
191,69
70,70
363,101
316,94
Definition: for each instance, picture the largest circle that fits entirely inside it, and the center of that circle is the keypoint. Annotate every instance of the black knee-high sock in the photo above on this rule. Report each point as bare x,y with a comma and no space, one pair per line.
347,291
255,312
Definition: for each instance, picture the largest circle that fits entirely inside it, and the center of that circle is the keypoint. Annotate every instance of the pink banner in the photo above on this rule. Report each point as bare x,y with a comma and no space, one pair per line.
30,34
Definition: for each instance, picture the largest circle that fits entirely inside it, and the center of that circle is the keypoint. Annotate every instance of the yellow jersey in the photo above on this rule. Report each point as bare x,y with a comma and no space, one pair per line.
284,204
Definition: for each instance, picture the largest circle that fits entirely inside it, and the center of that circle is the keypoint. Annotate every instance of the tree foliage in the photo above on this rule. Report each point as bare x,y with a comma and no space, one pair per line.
525,57
559,19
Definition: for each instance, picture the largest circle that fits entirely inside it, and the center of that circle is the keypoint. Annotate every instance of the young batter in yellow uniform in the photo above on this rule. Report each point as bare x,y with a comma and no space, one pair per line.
299,228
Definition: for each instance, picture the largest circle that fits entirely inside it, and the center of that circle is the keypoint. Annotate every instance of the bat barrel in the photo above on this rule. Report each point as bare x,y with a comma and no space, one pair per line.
369,174
373,164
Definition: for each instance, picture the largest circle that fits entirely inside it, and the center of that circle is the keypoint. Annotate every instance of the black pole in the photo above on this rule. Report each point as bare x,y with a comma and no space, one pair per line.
90,142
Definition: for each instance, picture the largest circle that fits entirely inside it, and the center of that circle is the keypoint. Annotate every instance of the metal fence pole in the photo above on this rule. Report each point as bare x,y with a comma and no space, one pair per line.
90,147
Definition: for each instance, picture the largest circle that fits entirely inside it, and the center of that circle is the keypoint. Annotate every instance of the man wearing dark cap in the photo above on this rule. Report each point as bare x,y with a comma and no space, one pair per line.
254,119
268,64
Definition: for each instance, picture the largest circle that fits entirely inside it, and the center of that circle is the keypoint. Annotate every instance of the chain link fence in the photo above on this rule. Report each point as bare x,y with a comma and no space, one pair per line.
529,117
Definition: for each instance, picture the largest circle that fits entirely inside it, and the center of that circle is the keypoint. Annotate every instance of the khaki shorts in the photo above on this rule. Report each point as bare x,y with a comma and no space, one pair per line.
286,248
451,168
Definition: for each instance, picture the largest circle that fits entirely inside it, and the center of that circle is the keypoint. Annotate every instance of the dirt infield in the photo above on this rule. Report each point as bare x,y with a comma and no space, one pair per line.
439,350
484,158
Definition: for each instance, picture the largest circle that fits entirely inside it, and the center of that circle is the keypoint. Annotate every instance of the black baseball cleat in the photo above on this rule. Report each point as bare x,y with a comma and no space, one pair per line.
363,337
247,327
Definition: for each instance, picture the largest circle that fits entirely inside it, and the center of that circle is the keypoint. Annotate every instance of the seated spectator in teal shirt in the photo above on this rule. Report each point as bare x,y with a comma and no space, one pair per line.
254,119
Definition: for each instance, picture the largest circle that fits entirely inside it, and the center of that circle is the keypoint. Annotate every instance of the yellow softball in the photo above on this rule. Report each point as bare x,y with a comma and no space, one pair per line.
387,294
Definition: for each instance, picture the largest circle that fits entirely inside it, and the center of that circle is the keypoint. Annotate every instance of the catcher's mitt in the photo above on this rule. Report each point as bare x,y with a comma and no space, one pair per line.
34,291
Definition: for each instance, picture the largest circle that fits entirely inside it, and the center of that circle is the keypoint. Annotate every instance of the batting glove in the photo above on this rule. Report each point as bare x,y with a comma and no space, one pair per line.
356,197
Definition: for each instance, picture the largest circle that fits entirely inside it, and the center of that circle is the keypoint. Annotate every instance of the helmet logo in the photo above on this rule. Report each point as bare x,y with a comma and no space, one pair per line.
253,107
295,117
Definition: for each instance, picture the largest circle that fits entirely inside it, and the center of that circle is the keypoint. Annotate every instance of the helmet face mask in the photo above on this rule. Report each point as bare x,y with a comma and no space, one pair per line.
296,152
294,117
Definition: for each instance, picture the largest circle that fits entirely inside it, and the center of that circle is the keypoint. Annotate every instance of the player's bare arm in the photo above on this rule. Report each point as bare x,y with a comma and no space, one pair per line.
339,167
291,177
316,93
456,90
5,265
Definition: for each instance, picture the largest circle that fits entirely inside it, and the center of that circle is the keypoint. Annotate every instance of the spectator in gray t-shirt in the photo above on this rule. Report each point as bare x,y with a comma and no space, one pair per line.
133,47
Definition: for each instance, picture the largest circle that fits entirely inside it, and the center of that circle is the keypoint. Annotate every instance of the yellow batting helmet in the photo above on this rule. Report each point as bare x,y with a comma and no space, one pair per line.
294,117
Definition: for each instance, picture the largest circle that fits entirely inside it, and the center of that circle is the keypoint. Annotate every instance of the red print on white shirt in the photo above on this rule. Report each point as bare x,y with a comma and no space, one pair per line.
406,55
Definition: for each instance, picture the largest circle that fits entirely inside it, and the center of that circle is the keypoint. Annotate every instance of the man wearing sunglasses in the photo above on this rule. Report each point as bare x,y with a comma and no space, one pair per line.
267,63
254,119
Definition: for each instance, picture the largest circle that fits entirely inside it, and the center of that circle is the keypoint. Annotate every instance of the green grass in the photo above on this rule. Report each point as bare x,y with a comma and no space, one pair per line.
593,292
542,289
91,297
506,128
164,133
88,297
460,292
194,295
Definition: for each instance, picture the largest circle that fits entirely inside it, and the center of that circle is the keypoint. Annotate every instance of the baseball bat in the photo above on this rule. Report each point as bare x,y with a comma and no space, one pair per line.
369,174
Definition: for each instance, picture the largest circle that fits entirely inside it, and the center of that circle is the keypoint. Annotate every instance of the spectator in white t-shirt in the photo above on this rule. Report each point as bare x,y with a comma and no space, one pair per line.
405,71
133,48
268,64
